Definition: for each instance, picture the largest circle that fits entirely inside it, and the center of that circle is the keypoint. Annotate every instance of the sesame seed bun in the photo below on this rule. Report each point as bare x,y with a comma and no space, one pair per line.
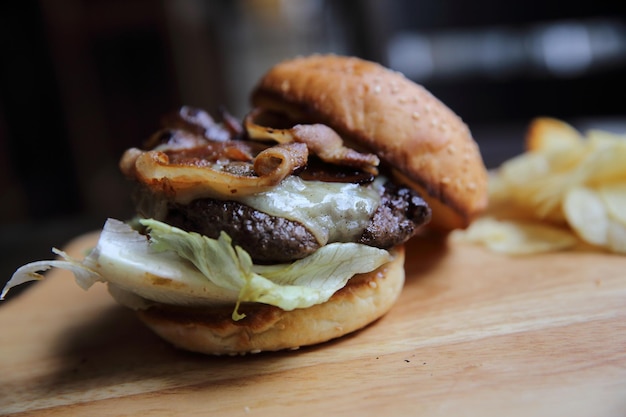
429,147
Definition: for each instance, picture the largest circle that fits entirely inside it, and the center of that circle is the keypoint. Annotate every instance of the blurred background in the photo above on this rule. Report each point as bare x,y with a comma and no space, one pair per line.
82,80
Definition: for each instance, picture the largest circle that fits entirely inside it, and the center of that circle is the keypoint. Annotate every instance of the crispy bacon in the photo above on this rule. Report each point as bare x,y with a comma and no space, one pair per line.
328,146
320,139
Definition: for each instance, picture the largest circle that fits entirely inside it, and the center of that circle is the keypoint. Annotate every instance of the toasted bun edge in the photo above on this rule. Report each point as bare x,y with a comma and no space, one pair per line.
365,298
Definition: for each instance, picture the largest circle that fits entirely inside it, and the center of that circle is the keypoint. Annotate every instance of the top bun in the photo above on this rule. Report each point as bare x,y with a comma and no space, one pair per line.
424,142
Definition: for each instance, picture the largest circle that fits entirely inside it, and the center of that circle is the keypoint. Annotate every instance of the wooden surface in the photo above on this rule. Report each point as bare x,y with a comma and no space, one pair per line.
474,333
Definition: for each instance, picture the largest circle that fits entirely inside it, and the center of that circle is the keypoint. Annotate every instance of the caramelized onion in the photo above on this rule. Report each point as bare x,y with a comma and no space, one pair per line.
258,132
284,157
185,181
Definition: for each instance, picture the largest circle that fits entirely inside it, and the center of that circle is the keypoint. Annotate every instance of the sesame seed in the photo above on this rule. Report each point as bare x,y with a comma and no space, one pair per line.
471,186
415,115
377,89
451,149
445,180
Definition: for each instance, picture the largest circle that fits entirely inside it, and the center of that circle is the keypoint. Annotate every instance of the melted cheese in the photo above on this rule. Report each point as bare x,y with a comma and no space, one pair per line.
333,212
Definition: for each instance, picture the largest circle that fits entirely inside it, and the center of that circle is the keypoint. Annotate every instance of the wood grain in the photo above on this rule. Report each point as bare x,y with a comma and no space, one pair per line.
474,333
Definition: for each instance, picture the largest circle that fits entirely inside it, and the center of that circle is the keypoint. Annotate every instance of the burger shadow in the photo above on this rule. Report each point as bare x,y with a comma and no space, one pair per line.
93,354
116,349
423,253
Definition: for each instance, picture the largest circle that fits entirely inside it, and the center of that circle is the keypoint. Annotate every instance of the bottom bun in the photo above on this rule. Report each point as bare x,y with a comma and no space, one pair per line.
364,299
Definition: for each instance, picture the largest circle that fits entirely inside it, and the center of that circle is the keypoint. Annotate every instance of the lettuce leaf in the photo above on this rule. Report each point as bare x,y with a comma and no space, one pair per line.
177,267
303,283
85,276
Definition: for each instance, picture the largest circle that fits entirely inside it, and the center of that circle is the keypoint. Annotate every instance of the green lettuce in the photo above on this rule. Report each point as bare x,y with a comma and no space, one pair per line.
303,283
205,271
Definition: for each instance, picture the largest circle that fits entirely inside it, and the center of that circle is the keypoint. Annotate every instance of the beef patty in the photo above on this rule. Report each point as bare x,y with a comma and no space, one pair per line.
271,239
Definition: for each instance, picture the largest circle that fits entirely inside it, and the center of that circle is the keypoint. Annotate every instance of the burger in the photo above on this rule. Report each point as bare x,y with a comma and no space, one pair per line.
286,228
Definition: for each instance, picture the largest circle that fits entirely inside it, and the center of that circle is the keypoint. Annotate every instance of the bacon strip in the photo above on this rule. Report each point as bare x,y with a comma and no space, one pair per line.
328,146
320,139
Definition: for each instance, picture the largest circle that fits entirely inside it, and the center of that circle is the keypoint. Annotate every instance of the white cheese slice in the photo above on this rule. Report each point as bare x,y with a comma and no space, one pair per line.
331,211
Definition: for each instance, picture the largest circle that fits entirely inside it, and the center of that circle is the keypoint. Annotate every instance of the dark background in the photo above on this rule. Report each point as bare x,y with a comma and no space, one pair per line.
82,80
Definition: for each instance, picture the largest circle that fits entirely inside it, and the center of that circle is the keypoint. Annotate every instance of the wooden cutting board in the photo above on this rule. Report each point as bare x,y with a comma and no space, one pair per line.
474,333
